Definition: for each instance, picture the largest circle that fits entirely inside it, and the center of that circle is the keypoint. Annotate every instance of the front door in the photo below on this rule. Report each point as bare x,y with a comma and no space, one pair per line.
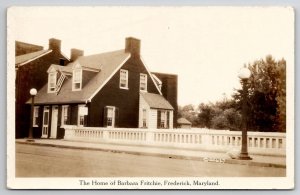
54,119
45,128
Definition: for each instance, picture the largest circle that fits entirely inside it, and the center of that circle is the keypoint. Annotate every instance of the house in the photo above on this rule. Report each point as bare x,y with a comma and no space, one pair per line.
31,65
183,123
113,89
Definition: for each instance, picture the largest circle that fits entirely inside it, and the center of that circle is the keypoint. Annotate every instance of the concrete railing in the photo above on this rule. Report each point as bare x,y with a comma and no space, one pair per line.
202,139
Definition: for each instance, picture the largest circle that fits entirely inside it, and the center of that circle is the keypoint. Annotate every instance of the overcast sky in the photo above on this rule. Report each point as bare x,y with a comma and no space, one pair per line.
204,46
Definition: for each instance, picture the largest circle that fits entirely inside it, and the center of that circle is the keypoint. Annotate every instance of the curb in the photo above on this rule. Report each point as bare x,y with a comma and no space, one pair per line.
171,156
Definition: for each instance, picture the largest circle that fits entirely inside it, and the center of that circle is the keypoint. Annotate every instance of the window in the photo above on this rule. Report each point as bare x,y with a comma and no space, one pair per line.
123,79
51,82
64,115
143,82
144,118
111,116
163,119
35,122
77,79
82,112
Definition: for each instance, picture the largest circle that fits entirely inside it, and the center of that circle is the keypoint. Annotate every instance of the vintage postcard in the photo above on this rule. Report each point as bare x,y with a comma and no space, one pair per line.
150,97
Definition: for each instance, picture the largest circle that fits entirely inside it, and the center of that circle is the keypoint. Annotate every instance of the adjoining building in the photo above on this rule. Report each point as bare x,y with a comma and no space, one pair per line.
183,123
31,65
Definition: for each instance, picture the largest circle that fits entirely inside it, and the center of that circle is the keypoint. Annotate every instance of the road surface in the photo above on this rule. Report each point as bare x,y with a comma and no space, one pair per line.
44,161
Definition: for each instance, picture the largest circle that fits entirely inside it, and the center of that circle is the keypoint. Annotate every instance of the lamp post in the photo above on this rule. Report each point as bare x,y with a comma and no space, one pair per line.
244,75
33,92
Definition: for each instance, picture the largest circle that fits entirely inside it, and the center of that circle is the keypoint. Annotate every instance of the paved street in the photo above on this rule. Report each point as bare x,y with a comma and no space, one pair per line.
44,161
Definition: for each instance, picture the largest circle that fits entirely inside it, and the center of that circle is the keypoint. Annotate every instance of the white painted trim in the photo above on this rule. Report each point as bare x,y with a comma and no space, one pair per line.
65,56
104,83
78,115
113,116
91,69
156,78
62,114
54,122
46,109
127,78
34,116
151,76
73,78
146,82
49,91
23,63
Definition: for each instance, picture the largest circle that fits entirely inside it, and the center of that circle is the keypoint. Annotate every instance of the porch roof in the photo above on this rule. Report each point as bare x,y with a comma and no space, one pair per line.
157,101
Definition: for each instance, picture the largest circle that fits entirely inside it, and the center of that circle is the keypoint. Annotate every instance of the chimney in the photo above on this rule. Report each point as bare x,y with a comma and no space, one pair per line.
54,44
133,46
76,53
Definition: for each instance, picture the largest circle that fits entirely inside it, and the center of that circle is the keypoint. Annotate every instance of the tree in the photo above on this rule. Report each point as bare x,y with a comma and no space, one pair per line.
220,115
205,115
189,113
267,95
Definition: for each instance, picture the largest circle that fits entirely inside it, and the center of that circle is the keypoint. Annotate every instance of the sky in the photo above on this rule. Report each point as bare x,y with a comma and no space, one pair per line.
204,46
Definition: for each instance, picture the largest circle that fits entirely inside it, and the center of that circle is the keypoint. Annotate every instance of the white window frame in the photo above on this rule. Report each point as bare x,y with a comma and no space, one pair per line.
63,113
144,118
113,116
79,115
35,116
126,75
146,78
163,113
50,74
76,80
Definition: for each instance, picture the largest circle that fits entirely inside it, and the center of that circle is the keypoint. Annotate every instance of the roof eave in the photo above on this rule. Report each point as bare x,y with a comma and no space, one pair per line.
30,60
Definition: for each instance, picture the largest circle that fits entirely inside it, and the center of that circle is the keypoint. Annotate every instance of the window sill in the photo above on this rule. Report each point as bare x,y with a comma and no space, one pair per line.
35,126
124,88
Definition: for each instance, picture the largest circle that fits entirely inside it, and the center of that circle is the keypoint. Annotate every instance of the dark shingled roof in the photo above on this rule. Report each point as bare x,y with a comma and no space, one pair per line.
157,101
30,56
183,121
107,63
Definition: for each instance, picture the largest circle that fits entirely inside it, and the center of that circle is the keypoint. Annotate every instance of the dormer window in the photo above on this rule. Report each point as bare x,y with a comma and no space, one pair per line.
77,78
52,82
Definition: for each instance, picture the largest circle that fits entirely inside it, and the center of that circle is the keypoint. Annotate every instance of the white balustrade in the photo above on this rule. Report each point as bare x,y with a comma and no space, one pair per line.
214,140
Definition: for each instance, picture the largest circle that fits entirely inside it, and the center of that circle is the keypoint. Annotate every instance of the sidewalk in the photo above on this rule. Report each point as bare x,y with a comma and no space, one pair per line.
212,157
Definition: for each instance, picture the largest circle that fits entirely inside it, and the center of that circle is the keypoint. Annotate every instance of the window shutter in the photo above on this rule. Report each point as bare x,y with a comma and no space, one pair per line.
116,117
105,117
158,119
168,119
59,116
75,115
69,115
40,117
85,120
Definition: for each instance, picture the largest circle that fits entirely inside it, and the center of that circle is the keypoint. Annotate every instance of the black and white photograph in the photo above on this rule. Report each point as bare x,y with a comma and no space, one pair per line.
137,97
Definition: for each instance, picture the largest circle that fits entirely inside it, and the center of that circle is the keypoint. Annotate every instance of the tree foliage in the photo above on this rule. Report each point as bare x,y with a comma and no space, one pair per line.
266,102
267,95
